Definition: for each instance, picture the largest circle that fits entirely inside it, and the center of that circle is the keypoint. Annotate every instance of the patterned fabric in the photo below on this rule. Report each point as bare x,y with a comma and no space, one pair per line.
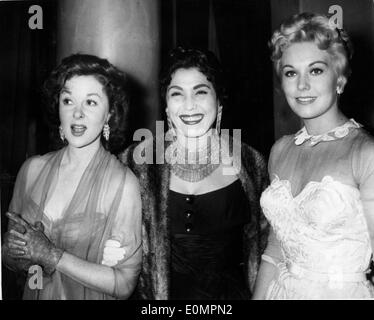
316,206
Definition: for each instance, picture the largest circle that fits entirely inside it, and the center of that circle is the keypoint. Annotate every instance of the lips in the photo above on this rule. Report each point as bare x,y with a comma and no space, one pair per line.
306,100
78,130
191,119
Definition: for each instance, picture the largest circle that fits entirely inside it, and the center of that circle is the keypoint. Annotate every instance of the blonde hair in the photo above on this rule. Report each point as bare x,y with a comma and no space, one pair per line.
311,27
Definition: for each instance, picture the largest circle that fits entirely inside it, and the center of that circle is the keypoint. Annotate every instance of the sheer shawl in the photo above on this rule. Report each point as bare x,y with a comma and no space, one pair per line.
86,222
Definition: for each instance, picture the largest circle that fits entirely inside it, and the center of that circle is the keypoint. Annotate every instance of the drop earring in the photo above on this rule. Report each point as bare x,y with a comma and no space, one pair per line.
106,131
170,125
339,90
62,136
218,121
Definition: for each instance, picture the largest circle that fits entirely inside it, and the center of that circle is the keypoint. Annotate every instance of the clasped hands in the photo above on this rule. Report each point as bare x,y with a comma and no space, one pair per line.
29,245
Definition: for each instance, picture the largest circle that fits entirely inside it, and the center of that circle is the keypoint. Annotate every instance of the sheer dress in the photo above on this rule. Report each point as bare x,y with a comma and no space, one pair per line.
319,203
86,223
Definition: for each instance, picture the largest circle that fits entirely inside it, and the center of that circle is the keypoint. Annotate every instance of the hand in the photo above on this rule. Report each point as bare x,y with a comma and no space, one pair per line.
113,253
33,244
10,242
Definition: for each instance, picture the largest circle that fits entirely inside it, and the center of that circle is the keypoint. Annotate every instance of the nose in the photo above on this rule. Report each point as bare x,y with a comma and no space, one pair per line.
303,83
189,103
78,113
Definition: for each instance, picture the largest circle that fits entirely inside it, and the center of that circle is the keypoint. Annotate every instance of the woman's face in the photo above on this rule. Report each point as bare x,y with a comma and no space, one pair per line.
191,102
309,80
84,109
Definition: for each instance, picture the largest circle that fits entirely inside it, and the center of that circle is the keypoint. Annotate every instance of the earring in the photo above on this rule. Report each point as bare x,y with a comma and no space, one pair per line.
339,90
106,131
218,121
62,136
170,124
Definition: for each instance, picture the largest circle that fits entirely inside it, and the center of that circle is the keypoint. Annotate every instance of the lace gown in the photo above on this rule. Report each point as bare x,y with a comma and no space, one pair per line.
319,201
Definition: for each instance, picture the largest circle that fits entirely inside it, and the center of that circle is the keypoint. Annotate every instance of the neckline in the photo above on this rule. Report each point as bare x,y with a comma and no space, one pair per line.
336,133
326,179
206,193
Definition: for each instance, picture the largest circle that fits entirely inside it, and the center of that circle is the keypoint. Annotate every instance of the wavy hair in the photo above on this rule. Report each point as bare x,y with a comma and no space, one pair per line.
312,27
203,60
114,84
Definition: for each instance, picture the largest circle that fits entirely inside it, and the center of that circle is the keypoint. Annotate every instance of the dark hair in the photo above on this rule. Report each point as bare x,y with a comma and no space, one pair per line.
203,60
312,27
114,83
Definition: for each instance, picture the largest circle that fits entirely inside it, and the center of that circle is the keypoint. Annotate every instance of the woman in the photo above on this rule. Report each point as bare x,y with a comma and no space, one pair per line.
77,212
203,229
320,203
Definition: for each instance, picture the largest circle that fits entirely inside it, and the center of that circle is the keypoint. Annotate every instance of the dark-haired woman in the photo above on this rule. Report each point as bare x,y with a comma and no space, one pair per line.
203,229
76,213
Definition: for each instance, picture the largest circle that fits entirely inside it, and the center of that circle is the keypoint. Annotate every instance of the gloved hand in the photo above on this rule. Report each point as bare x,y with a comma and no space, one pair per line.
14,264
36,247
113,253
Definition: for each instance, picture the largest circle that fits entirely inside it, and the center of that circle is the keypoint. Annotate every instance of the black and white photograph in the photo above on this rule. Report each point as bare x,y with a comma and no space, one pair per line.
197,152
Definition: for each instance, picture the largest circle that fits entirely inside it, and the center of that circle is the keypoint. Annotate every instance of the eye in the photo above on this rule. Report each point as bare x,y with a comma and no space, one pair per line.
316,71
202,92
289,73
91,103
66,101
175,94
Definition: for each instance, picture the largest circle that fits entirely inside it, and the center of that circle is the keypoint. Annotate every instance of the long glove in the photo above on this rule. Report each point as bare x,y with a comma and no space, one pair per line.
37,248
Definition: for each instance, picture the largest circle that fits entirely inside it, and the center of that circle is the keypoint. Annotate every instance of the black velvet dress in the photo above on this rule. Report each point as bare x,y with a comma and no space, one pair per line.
206,245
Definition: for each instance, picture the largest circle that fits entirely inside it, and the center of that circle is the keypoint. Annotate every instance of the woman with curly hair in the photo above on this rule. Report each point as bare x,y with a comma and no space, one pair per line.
203,229
74,211
320,202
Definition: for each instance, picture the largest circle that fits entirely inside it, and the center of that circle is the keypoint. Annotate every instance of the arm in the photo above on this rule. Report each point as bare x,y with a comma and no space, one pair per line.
363,169
119,280
268,268
272,254
17,264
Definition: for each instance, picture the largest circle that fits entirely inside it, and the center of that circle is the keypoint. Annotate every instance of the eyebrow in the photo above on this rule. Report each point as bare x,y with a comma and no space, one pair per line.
94,94
198,86
203,85
310,64
174,87
65,90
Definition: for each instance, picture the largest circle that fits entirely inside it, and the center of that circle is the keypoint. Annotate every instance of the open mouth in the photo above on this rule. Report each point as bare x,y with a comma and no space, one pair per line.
191,119
305,100
78,130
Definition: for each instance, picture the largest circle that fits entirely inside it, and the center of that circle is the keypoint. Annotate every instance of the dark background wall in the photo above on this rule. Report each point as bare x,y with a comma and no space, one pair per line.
236,30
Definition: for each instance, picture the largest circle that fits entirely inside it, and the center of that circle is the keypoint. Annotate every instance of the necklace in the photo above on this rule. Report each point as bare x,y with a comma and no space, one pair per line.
194,166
